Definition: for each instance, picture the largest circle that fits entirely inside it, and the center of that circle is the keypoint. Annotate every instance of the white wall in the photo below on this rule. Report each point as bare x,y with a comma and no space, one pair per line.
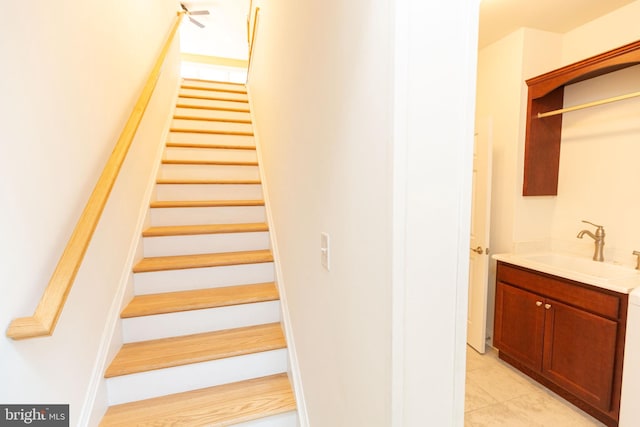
434,112
72,73
596,163
363,137
323,115
599,151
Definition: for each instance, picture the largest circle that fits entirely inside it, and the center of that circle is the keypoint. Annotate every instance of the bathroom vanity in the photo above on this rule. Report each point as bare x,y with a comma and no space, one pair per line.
562,321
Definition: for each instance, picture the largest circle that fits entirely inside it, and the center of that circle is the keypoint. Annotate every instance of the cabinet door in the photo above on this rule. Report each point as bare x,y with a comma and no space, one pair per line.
580,352
519,324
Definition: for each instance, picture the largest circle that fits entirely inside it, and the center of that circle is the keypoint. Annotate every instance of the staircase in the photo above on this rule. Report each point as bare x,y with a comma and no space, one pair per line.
203,340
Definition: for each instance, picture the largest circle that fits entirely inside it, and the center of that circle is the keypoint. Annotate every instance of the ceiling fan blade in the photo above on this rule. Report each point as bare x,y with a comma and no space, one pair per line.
196,22
184,8
199,12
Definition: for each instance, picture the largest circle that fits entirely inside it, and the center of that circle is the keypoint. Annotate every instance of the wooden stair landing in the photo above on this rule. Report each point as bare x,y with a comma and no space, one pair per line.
176,351
171,302
213,407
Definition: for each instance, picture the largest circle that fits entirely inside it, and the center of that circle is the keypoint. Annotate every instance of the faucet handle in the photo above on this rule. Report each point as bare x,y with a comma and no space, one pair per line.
637,254
595,225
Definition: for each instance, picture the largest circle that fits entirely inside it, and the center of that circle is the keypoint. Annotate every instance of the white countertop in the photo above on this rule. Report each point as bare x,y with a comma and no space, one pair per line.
601,274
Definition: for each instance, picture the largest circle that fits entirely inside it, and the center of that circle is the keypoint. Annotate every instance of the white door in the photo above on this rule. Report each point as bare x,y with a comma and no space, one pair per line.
479,241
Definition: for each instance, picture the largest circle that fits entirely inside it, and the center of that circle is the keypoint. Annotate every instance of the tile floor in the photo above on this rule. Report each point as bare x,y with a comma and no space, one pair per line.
499,395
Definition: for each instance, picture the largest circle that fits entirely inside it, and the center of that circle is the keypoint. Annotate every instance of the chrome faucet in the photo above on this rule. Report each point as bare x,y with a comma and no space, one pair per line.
598,237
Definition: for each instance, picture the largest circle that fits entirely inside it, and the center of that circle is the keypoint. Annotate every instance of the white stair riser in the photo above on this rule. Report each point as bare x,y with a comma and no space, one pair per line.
202,278
288,419
217,215
234,106
203,138
210,154
145,385
212,114
205,243
214,85
209,192
197,321
208,172
210,125
214,94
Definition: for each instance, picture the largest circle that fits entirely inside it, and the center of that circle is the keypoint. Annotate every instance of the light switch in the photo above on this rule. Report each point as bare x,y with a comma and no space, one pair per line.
324,250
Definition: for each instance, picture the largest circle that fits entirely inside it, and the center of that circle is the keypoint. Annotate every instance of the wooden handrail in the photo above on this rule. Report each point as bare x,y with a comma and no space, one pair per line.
256,18
46,315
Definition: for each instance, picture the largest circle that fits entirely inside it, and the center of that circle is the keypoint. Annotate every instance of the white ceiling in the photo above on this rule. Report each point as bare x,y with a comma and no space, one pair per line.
500,17
225,34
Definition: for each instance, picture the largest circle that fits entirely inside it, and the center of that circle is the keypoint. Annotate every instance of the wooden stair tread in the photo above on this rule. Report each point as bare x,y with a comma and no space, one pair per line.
170,302
211,98
190,230
211,119
210,146
208,181
210,107
183,350
204,203
212,132
213,89
193,79
214,406
181,262
209,162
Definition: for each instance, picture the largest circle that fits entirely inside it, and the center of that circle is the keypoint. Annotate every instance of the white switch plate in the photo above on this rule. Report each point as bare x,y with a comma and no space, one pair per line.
324,250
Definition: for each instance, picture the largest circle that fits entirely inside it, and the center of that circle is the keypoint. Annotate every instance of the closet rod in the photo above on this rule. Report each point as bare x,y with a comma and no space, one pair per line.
588,104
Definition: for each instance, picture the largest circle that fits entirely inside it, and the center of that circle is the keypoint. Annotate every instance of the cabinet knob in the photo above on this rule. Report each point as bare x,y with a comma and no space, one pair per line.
538,303
547,306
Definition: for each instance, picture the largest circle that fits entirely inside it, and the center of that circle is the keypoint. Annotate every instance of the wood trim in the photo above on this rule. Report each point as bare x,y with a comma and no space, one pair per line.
164,204
199,299
214,60
45,317
211,119
256,18
193,230
189,79
208,107
208,181
211,98
607,62
546,93
214,89
210,146
222,405
181,262
212,132
201,162
144,356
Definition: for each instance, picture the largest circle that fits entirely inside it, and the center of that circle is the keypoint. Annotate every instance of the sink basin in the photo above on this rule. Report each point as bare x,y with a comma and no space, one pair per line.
604,275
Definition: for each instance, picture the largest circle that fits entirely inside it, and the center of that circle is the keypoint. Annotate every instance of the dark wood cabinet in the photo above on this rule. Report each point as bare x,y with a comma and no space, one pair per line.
567,335
546,93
